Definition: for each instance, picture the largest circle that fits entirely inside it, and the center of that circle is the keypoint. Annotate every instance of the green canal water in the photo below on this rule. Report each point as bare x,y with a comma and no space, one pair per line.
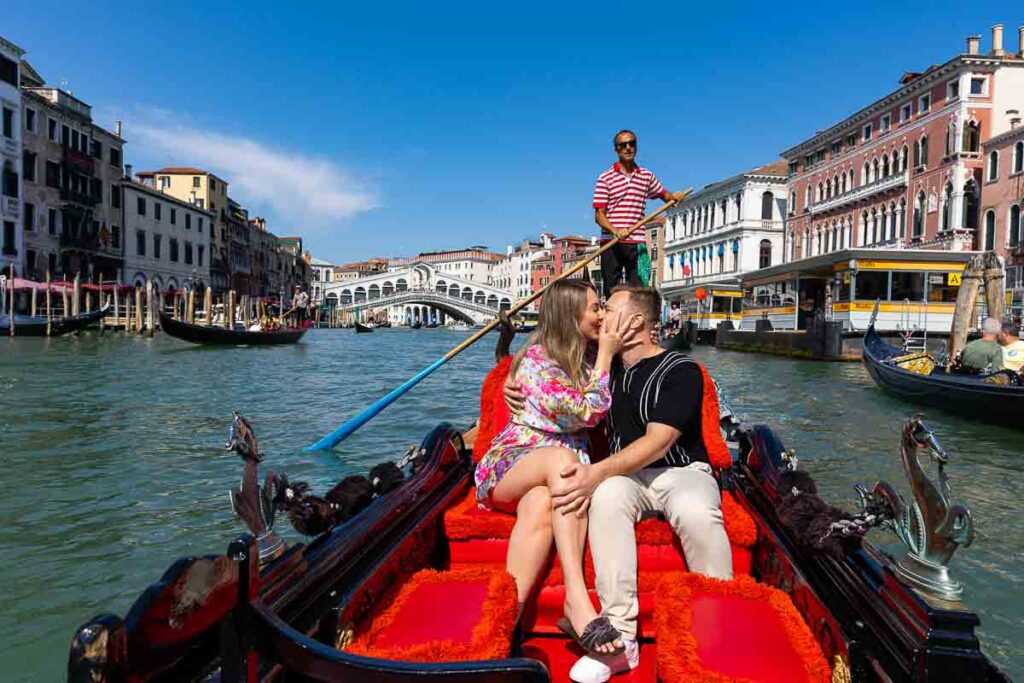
112,462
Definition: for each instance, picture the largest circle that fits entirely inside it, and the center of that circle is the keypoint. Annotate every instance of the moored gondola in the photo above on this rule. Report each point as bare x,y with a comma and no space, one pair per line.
993,397
416,324
361,328
36,326
219,336
413,587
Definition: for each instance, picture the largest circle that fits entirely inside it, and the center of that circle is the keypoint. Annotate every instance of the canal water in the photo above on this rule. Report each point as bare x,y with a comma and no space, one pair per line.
112,462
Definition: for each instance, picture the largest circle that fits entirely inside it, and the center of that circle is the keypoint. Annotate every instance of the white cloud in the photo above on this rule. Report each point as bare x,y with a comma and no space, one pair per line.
306,194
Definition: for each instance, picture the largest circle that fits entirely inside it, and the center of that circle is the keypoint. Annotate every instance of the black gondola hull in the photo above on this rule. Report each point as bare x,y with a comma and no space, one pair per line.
36,326
960,394
218,336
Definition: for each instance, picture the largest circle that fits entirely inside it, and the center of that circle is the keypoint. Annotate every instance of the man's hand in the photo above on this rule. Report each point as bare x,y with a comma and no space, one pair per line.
677,196
572,496
624,233
515,399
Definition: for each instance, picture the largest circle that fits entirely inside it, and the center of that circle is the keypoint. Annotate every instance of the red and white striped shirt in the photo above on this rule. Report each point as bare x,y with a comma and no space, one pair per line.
625,198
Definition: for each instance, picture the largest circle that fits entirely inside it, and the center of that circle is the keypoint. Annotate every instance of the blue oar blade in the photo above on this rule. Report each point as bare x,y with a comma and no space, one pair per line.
371,411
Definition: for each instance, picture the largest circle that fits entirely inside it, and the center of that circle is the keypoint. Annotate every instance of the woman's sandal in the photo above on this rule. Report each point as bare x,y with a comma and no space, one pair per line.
597,633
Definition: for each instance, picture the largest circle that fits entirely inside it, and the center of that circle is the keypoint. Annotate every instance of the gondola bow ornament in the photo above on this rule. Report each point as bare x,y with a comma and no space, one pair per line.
254,504
932,526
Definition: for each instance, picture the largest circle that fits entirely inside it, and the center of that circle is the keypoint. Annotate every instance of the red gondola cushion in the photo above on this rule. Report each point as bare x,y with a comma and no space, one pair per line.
464,614
717,631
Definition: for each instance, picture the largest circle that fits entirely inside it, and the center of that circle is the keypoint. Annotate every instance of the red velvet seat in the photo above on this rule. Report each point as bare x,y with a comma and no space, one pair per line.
419,624
711,630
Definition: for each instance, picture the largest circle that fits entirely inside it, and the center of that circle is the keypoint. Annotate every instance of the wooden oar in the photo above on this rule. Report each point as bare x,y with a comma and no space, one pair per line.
374,409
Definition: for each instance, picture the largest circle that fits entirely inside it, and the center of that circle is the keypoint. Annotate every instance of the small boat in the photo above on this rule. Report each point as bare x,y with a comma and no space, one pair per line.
413,587
416,324
915,377
218,336
35,326
460,326
384,323
360,328
430,326
678,342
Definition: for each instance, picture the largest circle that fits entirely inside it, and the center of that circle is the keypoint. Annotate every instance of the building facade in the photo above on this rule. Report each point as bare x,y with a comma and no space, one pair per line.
562,254
728,228
167,240
1002,202
11,190
473,263
906,170
514,272
206,191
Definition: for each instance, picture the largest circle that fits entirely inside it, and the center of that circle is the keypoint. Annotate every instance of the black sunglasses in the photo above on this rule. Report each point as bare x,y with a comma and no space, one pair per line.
625,143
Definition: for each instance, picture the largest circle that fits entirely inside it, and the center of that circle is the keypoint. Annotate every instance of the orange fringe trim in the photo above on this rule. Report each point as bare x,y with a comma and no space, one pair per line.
491,637
711,433
491,408
678,660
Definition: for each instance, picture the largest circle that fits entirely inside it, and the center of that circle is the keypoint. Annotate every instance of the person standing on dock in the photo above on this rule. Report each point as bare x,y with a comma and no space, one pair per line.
620,200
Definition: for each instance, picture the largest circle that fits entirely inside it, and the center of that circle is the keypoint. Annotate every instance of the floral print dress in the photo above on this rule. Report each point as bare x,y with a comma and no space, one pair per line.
556,414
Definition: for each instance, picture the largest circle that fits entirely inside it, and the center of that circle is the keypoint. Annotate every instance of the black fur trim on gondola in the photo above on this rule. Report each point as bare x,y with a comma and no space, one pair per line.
312,515
815,523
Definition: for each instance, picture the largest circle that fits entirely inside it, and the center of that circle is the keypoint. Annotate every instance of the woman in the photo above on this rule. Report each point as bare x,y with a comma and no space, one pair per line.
564,395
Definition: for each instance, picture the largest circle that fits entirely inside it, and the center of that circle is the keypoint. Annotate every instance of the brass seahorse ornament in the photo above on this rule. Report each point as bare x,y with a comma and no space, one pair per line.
932,526
254,504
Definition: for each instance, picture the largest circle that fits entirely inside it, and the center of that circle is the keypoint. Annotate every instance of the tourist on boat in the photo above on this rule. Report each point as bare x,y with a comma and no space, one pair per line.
300,302
659,463
620,199
1013,347
563,395
984,354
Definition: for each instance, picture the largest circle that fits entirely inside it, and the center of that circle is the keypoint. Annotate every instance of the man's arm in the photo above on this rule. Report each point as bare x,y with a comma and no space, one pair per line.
651,447
601,218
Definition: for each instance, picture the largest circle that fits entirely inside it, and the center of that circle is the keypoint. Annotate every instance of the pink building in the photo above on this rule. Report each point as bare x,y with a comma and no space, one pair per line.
1002,200
906,170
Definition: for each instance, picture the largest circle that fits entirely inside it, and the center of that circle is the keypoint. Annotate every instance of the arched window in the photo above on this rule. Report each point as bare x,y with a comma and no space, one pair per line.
892,221
842,183
441,287
374,292
875,170
467,294
492,301
1014,226
764,254
332,300
947,201
903,218
918,230
505,304
388,289
885,165
990,231
767,206
479,298
401,285
970,216
993,165
453,291
851,179
346,297
818,194
972,137
921,152
360,294
864,228
792,203
874,225
1018,157
903,159
950,138
864,180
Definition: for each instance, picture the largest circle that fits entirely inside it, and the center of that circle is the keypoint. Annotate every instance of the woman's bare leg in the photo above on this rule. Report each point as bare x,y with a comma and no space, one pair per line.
543,467
530,543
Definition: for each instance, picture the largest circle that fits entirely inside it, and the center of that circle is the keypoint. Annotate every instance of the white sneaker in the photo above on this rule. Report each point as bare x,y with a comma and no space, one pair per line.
598,669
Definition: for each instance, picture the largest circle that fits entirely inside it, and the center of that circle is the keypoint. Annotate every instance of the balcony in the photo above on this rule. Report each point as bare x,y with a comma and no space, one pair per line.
11,147
79,161
862,192
9,208
82,198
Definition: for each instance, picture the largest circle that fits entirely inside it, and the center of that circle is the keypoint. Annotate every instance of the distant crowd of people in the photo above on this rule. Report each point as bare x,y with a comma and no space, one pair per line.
998,348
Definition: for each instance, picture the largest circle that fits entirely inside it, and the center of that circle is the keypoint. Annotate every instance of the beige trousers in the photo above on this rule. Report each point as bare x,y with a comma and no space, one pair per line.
689,499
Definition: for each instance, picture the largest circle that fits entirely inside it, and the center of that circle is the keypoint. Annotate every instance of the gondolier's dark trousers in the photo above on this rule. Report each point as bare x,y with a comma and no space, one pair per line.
619,265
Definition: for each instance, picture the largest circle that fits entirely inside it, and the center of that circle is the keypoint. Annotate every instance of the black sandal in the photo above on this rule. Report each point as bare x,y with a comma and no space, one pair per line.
597,633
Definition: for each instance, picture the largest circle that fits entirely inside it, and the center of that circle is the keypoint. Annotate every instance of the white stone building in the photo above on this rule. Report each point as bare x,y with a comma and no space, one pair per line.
727,229
11,192
474,264
167,240
322,273
513,273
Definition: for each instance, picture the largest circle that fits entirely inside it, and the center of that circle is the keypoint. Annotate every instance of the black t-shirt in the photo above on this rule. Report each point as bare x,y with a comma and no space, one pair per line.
668,389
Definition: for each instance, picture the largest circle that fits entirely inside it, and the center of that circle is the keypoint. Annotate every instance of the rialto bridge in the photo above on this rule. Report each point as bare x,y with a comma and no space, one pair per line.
418,292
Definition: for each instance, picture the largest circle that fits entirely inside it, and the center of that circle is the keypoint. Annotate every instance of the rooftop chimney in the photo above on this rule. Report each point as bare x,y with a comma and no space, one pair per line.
1014,116
1020,42
128,171
973,44
117,128
997,40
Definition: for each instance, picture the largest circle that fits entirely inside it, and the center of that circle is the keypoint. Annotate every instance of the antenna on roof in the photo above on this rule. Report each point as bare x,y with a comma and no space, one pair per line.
65,84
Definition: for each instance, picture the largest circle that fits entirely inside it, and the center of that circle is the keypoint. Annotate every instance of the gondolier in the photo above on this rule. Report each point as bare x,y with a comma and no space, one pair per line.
620,199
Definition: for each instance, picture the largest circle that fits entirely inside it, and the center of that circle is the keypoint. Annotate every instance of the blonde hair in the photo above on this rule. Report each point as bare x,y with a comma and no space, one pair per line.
558,328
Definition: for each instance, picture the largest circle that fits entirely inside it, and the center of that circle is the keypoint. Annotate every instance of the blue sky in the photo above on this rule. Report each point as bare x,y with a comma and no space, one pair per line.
392,128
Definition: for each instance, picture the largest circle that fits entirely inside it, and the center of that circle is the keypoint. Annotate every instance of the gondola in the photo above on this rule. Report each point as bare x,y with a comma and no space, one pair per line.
678,342
416,324
413,588
990,398
360,328
384,323
430,326
218,336
35,326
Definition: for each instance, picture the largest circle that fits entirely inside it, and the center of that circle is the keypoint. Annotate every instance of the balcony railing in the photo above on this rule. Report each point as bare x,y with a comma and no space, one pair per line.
11,146
83,198
9,207
862,192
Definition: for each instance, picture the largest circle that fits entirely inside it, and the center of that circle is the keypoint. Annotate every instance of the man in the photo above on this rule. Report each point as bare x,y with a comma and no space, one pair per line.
620,200
300,302
658,464
1013,347
985,354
